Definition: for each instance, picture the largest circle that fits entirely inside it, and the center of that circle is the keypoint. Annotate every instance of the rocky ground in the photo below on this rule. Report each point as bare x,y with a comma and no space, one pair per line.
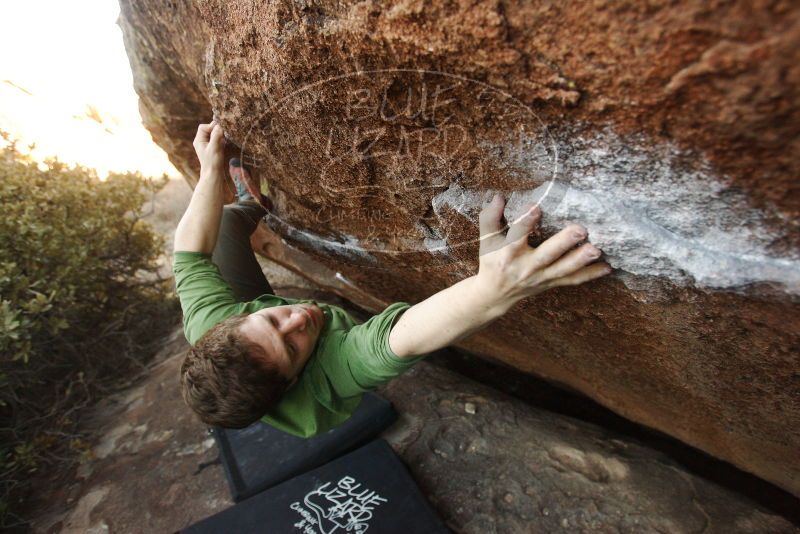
492,463
487,460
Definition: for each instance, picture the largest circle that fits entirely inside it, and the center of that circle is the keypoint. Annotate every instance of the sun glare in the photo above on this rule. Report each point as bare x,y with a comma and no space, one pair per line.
66,86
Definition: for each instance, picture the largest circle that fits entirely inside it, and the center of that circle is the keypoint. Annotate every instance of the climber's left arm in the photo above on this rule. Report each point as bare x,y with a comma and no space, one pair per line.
198,229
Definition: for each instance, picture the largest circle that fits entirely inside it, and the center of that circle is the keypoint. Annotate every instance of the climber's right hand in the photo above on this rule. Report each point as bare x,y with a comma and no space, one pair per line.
513,270
209,144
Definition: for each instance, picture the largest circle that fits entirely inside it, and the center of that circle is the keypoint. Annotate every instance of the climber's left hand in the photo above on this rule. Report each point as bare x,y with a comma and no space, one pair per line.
513,270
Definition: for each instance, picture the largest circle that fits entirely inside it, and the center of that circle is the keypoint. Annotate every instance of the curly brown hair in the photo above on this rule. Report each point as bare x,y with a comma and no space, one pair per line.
226,379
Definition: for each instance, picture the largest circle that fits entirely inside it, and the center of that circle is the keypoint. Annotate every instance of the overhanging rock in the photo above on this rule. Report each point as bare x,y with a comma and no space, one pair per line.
671,132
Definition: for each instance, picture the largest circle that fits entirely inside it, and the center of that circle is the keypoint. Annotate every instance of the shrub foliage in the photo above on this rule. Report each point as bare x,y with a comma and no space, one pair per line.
81,304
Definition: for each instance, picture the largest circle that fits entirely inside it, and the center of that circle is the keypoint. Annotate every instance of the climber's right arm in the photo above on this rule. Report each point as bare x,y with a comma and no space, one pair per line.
198,228
509,271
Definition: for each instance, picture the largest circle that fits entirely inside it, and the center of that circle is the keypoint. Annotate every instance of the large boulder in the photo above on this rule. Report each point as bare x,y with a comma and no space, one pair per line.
670,130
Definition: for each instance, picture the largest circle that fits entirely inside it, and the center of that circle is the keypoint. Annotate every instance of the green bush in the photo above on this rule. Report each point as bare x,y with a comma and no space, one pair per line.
81,304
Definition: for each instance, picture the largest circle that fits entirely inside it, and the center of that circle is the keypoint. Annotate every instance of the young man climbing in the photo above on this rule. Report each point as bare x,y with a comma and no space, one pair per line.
302,366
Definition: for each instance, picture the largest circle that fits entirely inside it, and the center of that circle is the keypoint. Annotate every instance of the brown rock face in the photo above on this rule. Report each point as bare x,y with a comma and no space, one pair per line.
670,130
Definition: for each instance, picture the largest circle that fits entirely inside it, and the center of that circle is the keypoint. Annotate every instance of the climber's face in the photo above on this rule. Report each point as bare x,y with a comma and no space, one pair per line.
288,334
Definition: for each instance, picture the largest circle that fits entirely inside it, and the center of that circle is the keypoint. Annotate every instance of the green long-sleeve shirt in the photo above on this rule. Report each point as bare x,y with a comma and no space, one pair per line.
348,358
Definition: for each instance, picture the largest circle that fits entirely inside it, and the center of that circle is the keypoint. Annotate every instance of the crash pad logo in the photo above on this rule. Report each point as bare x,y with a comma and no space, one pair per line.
346,506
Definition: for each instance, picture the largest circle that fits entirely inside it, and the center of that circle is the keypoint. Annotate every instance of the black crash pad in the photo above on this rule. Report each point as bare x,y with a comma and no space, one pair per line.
366,490
259,456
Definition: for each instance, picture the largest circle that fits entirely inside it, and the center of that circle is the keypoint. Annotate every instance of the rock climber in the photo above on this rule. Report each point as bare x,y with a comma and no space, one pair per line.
300,365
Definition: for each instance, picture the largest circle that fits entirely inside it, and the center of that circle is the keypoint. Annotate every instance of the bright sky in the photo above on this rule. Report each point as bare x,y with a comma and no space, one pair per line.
66,84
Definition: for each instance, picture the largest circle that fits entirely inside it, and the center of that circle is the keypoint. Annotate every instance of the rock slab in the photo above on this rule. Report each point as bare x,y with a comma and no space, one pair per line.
669,129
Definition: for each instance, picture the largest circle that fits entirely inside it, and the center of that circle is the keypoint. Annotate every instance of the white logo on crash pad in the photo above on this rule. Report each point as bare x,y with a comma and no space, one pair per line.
346,506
